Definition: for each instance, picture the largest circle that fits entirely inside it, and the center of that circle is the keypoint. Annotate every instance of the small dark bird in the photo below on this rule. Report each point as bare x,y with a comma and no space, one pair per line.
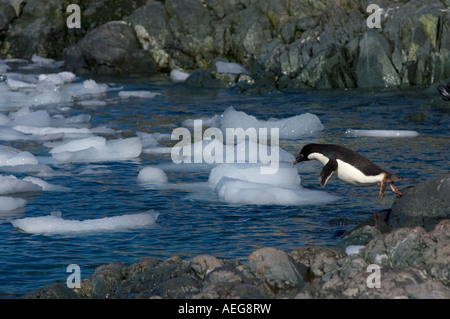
445,91
349,165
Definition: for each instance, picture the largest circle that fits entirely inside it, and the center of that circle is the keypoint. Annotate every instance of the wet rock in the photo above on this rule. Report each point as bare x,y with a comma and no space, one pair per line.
52,291
277,269
104,281
319,260
204,80
110,49
147,281
204,264
232,290
424,204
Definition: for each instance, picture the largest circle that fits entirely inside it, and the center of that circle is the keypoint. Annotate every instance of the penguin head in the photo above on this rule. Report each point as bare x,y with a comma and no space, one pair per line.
304,153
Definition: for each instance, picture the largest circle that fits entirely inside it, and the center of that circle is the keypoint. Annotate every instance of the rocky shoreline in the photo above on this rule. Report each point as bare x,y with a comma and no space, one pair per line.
412,262
284,44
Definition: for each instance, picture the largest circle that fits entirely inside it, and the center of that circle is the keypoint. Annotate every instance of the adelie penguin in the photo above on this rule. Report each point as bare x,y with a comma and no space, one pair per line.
349,166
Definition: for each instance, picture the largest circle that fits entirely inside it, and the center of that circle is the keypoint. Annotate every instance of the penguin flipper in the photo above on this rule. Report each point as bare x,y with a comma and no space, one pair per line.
327,170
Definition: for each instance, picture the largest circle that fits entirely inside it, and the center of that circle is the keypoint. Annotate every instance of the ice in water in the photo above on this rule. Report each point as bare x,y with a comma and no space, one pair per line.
55,224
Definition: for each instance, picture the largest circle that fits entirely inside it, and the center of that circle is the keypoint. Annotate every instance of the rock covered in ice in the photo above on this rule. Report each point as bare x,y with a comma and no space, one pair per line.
11,203
96,149
178,76
55,224
381,133
152,175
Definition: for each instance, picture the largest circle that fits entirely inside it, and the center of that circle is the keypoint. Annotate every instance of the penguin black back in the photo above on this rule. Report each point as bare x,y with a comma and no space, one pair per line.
333,151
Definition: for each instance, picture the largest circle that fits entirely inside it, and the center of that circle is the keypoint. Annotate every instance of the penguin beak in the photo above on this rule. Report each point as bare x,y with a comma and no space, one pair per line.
298,159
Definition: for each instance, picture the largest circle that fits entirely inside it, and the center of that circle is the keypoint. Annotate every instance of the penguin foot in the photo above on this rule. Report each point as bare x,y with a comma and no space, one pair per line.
395,190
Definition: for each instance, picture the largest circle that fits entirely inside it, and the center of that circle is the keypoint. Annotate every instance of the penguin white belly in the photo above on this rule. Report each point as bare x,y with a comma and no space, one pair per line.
352,175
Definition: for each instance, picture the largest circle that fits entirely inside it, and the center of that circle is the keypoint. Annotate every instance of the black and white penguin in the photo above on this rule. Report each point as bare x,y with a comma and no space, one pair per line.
349,166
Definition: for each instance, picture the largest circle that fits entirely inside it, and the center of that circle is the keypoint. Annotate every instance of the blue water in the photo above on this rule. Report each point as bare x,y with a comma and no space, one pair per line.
193,220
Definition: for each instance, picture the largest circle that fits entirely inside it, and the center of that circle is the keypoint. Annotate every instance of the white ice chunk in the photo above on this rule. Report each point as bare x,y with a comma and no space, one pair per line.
139,94
41,60
12,185
15,84
244,184
230,67
381,133
47,187
178,76
152,175
353,249
96,149
290,128
286,174
10,156
87,88
54,224
58,78
11,203
213,121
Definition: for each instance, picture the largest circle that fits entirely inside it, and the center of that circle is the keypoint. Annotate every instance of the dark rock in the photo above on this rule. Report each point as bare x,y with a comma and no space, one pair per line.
204,264
374,67
204,80
277,269
41,29
148,280
424,204
232,290
110,49
178,287
53,291
7,14
319,260
104,281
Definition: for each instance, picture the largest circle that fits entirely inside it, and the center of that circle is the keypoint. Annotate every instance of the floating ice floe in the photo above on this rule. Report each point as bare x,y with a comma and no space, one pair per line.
10,184
87,88
245,185
11,203
10,156
152,175
231,68
289,128
55,224
381,133
97,149
138,94
150,143
178,76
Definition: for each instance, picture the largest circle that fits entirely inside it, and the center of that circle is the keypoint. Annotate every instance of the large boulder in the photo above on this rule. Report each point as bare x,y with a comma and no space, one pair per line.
110,49
424,204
